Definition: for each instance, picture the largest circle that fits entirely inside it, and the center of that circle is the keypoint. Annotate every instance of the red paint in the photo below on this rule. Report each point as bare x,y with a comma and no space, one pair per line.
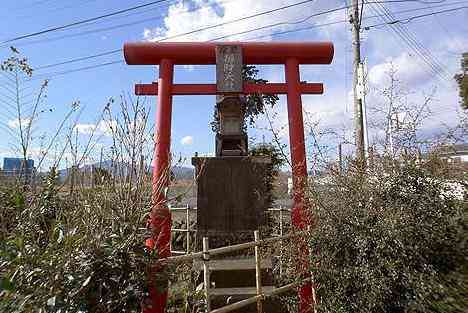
210,89
296,128
160,218
150,53
166,55
299,172
162,135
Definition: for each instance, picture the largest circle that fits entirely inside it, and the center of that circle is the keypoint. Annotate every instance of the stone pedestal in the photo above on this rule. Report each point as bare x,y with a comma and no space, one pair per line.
231,198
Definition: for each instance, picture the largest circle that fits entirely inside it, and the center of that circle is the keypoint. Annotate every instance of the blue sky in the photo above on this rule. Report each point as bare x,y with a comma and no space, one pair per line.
443,35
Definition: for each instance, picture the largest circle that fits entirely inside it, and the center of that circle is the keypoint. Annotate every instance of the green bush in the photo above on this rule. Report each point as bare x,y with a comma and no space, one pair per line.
390,243
59,254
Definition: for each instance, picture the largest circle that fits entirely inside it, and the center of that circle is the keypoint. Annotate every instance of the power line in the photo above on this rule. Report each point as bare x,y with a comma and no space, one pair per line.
440,68
119,12
9,88
139,7
407,20
82,21
88,32
238,20
332,23
403,35
184,34
225,23
54,74
79,59
230,35
284,23
413,44
49,10
103,29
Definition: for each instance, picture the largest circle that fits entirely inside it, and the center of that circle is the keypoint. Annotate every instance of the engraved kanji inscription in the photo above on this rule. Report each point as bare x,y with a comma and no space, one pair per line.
229,68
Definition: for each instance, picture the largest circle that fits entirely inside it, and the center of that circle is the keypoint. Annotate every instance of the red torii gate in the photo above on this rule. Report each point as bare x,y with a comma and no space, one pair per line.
166,55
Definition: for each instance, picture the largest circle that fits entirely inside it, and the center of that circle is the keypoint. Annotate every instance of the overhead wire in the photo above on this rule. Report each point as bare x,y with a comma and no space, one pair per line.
113,27
79,59
137,7
69,25
193,31
410,42
9,89
335,22
54,74
300,21
50,10
221,37
5,74
409,19
238,20
440,67
184,34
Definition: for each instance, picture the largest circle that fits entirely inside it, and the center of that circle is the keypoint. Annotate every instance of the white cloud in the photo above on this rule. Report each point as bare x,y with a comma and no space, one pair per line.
187,140
15,123
186,16
85,128
101,128
408,70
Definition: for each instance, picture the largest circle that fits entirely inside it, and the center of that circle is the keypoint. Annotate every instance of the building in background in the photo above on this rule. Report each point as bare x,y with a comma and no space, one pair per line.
457,154
16,166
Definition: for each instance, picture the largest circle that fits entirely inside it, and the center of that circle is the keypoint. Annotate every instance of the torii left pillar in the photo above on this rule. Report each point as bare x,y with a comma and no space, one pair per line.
160,218
291,54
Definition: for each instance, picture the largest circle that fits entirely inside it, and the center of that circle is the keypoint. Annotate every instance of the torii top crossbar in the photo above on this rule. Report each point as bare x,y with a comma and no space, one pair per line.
168,54
202,53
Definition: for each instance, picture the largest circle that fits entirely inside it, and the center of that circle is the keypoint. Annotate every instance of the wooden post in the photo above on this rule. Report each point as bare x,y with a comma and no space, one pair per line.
281,242
170,242
206,273
187,217
258,272
281,221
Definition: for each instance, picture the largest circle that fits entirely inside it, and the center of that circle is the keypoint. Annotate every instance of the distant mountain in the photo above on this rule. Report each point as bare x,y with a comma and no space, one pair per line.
120,168
183,172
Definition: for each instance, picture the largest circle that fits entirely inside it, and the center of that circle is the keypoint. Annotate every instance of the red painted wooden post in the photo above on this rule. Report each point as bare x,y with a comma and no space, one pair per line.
160,218
163,131
299,171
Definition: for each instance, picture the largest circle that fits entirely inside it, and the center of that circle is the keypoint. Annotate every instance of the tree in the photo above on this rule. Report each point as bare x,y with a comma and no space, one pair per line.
277,160
462,80
25,113
83,253
400,118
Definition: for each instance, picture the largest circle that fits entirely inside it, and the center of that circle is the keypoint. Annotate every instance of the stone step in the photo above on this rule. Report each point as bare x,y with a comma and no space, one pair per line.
234,264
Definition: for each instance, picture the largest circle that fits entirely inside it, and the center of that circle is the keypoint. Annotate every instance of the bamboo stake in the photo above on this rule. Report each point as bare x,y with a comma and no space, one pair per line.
187,217
258,273
227,249
281,242
243,303
206,273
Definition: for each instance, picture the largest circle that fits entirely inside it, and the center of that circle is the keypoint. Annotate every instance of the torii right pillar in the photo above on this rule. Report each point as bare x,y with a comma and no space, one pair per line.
299,214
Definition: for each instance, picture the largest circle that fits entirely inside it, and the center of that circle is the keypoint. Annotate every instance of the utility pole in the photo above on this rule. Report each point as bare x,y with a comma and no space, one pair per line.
355,20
